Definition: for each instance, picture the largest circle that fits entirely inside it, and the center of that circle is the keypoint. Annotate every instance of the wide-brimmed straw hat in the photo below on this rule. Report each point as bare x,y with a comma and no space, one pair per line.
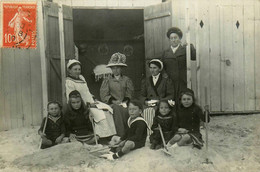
117,59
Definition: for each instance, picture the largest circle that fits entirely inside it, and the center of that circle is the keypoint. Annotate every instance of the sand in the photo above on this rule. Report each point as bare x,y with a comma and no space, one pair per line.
234,143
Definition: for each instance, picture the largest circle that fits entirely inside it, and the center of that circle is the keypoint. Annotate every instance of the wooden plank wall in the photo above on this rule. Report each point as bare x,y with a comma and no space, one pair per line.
238,58
232,35
227,38
249,55
53,46
21,91
215,56
157,20
109,3
257,53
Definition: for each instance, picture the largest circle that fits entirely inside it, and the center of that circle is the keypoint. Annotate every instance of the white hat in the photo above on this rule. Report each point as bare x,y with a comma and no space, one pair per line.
72,61
117,59
158,63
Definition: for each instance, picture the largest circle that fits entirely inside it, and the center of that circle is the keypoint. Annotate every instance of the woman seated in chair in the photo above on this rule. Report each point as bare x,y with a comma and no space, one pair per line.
117,90
102,113
155,88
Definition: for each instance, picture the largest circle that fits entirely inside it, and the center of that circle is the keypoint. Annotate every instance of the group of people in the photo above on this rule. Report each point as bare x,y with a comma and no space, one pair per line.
165,110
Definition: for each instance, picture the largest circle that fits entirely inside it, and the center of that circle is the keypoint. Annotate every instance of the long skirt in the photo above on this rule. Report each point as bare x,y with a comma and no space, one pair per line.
105,127
121,116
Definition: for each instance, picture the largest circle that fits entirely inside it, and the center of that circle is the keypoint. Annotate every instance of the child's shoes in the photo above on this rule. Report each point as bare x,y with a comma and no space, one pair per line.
174,146
46,142
158,146
153,145
113,149
108,156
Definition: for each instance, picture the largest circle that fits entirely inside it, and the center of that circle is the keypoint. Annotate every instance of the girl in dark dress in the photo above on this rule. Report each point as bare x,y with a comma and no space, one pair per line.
166,118
78,124
189,115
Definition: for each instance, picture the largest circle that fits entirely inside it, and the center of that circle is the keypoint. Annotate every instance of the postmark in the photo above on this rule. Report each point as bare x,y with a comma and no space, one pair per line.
19,25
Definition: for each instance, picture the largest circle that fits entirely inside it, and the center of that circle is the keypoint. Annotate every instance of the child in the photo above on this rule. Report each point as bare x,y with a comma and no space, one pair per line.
54,130
166,118
77,119
135,136
189,116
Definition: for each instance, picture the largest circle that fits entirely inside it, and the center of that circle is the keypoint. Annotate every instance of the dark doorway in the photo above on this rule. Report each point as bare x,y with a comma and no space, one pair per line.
99,33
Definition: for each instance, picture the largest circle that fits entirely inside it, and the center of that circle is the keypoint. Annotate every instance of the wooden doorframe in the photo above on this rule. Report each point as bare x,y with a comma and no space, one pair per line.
62,53
41,38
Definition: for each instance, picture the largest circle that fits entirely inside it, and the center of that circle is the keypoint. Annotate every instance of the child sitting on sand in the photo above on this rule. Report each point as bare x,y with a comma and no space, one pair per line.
78,124
165,117
135,136
53,130
189,116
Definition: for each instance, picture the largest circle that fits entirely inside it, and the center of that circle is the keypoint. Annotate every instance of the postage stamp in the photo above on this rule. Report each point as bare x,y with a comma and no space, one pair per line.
19,25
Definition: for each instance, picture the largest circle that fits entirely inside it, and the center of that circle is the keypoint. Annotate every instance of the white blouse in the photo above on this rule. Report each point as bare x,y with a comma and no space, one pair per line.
79,85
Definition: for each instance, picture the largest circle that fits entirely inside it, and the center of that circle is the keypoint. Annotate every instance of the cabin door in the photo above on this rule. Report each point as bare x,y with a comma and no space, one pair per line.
52,40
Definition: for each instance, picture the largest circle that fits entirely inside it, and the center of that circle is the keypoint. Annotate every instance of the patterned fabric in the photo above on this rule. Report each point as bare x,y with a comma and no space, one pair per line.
148,115
117,59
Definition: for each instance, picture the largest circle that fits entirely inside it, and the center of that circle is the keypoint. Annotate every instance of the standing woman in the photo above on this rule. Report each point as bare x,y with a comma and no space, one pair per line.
175,60
117,90
104,124
155,88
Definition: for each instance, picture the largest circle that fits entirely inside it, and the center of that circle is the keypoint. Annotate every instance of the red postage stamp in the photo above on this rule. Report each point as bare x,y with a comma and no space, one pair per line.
19,25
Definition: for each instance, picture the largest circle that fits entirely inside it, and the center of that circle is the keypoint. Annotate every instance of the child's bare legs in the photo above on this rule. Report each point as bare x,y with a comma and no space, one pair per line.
185,140
174,140
65,140
180,140
128,146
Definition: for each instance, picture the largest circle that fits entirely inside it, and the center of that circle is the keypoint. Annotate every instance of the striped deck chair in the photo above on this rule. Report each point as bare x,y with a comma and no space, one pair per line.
148,115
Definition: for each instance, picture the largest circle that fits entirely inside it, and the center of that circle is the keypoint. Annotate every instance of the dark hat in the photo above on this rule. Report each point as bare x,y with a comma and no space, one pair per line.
74,94
174,30
54,102
187,91
136,103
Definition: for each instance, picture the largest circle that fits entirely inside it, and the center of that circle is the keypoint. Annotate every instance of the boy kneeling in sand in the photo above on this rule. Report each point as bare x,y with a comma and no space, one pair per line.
135,136
53,130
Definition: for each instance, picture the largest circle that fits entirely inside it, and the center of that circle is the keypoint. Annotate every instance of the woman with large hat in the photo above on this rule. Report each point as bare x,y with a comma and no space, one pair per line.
155,88
104,123
117,90
174,59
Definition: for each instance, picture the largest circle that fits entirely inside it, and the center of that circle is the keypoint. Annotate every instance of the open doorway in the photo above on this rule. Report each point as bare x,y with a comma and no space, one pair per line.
99,33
